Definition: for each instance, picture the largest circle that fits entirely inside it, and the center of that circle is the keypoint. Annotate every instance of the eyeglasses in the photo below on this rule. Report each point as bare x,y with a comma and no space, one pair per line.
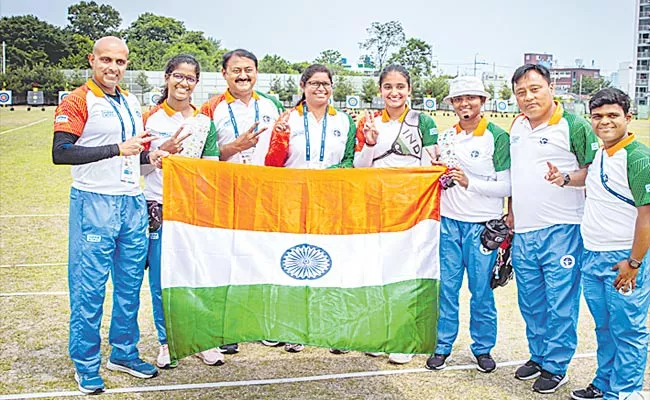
316,84
178,77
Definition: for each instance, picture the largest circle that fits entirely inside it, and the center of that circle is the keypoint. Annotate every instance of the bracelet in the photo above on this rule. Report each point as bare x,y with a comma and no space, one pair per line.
371,145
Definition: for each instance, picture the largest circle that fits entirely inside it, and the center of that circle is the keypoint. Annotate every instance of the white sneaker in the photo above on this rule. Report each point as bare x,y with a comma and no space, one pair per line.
398,358
163,361
293,347
270,343
211,357
374,354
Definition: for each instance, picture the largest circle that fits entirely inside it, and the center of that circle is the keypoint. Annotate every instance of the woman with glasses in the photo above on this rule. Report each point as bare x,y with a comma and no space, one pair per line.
395,137
313,135
166,120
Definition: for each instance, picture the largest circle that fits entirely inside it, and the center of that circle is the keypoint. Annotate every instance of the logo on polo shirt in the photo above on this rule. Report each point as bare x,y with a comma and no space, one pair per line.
543,140
337,133
647,188
567,261
266,119
138,113
108,114
474,153
61,118
514,139
594,146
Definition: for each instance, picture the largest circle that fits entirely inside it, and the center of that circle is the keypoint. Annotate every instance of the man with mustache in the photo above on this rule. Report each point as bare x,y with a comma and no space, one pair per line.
547,247
241,117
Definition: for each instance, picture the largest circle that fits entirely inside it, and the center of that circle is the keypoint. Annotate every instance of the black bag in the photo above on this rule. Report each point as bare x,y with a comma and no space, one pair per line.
502,271
155,215
494,234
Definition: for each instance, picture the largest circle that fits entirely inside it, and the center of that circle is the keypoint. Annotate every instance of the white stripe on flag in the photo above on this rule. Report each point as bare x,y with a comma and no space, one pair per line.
195,256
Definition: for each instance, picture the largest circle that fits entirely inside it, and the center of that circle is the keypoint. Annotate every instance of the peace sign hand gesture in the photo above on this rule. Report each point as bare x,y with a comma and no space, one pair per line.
174,145
282,124
370,130
248,139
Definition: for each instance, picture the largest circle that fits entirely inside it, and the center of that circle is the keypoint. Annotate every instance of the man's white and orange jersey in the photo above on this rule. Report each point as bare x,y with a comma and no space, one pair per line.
87,113
217,109
383,154
617,183
566,141
484,157
288,148
163,121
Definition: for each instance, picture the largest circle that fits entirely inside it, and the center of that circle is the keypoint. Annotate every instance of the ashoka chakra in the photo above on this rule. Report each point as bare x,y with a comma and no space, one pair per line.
305,261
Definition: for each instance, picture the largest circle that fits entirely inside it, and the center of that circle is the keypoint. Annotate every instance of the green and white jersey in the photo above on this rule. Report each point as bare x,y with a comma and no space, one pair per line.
261,107
617,183
568,142
481,155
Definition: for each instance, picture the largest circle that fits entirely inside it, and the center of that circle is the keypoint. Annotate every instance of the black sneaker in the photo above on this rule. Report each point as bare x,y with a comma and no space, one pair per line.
339,351
229,348
591,392
528,371
437,361
485,362
549,383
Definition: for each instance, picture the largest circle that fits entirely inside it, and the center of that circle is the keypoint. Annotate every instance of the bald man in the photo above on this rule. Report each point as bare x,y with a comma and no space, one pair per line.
98,129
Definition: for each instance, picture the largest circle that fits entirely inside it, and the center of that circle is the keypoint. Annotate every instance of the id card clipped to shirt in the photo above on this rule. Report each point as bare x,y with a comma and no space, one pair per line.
128,169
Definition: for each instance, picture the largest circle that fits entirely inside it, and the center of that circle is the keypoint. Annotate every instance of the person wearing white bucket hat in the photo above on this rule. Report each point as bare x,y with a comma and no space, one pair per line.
477,153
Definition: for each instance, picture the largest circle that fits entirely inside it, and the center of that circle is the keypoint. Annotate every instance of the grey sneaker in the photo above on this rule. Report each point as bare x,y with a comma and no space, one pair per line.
293,347
484,362
437,361
549,383
528,371
590,392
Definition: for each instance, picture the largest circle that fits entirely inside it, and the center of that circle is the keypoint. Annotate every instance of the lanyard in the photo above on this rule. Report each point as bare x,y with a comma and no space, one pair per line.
322,138
604,182
234,122
119,115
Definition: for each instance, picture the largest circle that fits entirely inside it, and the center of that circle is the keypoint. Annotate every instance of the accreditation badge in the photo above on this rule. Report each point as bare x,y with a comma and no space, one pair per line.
129,164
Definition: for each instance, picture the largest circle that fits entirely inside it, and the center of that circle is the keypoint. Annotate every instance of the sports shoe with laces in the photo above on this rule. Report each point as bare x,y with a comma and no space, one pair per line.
163,361
549,383
229,348
399,358
484,362
211,357
590,392
89,383
339,351
137,368
271,343
293,347
530,370
438,361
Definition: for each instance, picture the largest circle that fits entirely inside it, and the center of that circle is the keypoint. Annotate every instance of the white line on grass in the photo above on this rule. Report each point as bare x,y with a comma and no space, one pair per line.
24,126
33,265
32,215
27,294
216,385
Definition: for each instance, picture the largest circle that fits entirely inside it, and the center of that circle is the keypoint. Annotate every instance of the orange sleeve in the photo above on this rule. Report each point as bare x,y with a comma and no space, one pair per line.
71,115
278,146
209,106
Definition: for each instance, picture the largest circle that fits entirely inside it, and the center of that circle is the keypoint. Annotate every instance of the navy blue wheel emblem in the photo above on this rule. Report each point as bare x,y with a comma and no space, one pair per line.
306,262
4,97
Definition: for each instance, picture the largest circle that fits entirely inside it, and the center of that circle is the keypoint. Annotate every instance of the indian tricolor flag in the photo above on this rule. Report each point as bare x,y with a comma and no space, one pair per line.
343,258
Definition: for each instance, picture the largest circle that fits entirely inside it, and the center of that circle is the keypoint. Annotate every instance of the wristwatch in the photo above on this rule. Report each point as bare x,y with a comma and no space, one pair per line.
635,264
567,179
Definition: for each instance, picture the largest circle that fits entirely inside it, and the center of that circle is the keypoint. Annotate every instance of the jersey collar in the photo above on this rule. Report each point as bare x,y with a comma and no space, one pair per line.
480,129
301,109
623,143
97,91
170,111
230,98
386,118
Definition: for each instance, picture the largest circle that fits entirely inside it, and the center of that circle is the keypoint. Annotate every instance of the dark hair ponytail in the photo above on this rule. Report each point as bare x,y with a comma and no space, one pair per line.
172,64
307,74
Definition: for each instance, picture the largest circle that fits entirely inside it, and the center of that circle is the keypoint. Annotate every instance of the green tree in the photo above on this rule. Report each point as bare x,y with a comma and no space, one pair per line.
149,37
274,64
505,93
438,87
93,20
490,89
47,78
382,38
80,46
142,81
418,90
342,88
205,61
276,86
76,79
415,56
288,90
300,66
332,59
369,90
31,41
589,85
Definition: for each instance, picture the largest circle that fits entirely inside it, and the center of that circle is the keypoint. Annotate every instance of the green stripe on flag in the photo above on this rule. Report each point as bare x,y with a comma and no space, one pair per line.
396,318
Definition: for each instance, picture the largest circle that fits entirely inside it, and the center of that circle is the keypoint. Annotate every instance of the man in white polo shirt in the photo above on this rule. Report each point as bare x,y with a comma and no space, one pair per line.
616,233
242,118
98,130
241,115
547,246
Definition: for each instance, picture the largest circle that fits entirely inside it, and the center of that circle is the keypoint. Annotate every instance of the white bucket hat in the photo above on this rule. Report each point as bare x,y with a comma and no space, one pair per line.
466,85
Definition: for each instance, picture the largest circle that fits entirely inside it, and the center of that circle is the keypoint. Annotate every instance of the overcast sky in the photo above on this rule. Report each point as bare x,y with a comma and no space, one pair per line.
499,31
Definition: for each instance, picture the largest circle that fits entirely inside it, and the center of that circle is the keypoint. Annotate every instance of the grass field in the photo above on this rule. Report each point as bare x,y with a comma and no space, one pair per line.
34,311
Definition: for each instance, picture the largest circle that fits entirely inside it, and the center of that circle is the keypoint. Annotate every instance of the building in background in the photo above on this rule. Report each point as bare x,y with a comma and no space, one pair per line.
642,56
539,59
565,79
623,78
